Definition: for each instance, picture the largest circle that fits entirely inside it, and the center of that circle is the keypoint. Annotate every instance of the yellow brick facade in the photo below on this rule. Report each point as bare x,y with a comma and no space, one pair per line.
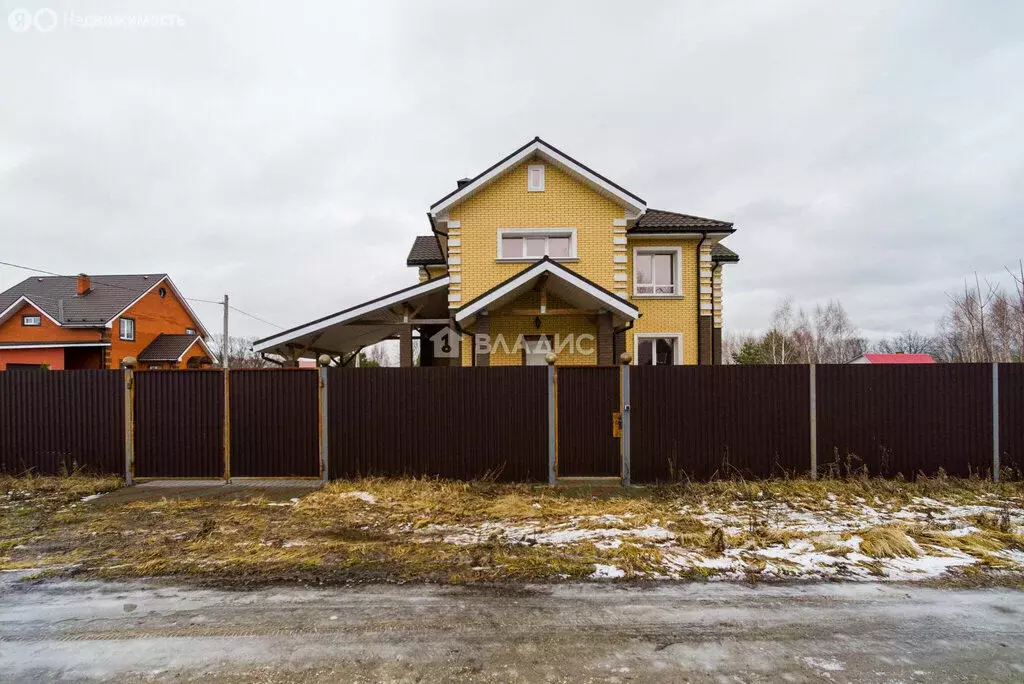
604,256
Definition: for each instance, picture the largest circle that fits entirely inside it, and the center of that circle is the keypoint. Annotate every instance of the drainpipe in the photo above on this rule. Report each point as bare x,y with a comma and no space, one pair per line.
616,331
437,234
703,239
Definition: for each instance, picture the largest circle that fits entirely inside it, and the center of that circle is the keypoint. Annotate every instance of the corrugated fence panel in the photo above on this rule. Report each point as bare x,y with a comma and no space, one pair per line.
446,422
701,422
179,418
274,423
587,398
1011,417
905,419
58,420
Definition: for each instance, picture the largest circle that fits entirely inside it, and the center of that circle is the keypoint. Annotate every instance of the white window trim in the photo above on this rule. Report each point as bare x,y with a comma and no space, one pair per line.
530,187
539,232
677,256
120,329
38,318
678,346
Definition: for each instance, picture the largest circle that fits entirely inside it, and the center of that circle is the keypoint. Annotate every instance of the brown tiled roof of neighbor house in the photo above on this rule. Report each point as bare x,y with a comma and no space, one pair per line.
167,347
425,252
658,221
720,252
57,296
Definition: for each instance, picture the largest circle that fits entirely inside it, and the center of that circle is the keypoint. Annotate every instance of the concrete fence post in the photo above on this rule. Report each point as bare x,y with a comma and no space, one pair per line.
624,439
552,426
129,425
226,446
322,392
814,424
995,422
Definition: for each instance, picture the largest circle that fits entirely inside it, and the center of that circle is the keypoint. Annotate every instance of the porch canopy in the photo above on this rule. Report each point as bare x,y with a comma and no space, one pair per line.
423,306
553,278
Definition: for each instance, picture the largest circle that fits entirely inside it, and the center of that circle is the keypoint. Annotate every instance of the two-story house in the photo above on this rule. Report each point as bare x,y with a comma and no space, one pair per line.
536,254
94,322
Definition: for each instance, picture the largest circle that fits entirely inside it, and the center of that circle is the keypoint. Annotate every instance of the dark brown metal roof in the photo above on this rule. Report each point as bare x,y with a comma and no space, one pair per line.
167,347
658,221
720,252
426,251
108,296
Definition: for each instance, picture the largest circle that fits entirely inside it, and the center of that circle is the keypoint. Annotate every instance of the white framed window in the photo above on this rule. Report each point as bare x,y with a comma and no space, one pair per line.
657,272
190,331
535,178
31,321
529,244
657,349
127,329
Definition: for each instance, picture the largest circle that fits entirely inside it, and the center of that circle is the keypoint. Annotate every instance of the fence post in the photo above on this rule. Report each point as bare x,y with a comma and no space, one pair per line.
624,439
129,423
552,425
226,446
322,393
995,422
814,426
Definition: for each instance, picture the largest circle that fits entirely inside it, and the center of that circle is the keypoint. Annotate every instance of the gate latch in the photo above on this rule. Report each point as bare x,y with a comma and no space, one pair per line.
616,424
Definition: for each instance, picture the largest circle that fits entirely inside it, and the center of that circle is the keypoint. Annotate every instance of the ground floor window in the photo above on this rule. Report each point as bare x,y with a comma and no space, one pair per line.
657,350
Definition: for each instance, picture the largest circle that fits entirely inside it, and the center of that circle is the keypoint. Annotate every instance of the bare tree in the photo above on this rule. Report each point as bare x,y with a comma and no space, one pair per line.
779,345
983,325
908,342
240,353
379,355
829,336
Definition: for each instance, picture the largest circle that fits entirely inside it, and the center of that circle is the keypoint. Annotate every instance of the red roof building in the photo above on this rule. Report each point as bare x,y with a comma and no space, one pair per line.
894,358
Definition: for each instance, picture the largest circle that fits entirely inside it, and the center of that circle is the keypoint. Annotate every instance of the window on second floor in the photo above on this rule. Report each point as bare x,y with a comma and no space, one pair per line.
657,272
128,329
190,331
530,245
31,321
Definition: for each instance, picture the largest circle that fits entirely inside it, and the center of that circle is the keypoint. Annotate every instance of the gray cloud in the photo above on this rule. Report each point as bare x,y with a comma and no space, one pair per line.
286,154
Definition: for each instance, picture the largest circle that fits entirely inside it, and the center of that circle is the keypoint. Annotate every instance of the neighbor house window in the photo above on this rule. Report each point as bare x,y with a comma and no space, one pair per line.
190,331
128,329
31,320
652,350
657,272
535,178
529,245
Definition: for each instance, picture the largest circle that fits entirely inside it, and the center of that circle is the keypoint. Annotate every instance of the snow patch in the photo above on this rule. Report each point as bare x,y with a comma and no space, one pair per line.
606,572
362,496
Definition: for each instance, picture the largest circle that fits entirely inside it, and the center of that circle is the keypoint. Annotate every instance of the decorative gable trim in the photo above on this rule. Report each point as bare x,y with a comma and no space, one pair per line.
633,203
21,302
192,314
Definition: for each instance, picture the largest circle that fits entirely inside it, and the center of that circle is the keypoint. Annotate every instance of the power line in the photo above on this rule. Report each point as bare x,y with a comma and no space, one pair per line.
134,290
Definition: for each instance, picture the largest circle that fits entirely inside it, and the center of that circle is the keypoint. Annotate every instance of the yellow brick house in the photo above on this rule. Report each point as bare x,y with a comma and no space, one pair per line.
540,254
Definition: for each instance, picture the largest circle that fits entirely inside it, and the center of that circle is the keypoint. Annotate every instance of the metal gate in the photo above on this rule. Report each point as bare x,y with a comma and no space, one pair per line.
587,434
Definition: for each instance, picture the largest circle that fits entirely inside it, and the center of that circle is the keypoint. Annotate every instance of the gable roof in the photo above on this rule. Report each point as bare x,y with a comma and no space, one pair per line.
547,265
542,149
660,221
108,297
171,347
426,251
898,358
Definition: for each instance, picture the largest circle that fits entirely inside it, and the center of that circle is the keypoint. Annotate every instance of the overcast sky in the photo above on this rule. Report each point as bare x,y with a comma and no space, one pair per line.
286,153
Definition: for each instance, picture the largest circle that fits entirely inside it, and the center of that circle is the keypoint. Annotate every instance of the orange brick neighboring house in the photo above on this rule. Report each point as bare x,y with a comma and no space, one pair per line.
91,322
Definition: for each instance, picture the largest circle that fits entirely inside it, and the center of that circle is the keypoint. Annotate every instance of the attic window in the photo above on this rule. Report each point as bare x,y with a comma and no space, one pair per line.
535,178
162,292
30,321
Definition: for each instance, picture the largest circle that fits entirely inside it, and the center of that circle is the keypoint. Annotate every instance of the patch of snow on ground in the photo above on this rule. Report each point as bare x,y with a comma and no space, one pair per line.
91,497
606,572
362,496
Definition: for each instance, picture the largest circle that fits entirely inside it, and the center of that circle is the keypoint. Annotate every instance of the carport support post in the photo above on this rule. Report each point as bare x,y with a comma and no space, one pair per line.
814,426
323,419
995,422
624,438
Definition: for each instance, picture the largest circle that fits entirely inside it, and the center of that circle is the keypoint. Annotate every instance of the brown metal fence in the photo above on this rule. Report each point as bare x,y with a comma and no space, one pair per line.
274,423
1011,418
905,419
448,422
588,397
701,422
179,423
55,421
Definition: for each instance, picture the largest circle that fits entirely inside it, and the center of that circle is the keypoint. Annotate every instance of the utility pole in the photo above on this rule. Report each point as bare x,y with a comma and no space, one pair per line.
224,347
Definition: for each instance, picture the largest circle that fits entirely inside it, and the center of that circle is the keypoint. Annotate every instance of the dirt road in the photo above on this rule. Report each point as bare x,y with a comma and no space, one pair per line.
583,632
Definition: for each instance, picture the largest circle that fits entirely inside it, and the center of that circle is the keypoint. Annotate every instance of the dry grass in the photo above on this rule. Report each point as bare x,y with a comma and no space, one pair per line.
331,536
